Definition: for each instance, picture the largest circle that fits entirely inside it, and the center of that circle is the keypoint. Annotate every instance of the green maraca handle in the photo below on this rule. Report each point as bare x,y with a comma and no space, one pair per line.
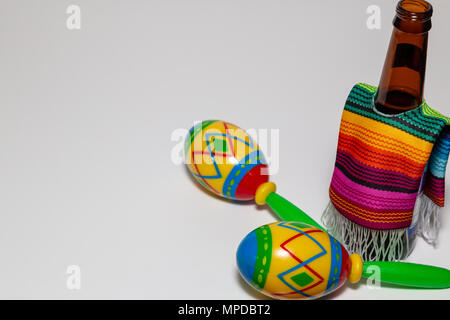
286,211
410,274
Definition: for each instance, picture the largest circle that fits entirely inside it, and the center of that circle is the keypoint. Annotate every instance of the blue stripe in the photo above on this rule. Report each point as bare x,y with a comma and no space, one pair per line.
336,264
439,156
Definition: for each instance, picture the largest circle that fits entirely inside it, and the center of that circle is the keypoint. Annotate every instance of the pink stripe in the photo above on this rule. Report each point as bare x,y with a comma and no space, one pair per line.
370,203
351,192
375,211
382,195
438,186
359,193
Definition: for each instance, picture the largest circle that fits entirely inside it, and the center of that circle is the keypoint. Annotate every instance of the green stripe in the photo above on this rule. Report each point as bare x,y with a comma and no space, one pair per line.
367,87
427,111
389,121
420,116
196,130
423,117
263,258
363,92
420,121
433,113
357,99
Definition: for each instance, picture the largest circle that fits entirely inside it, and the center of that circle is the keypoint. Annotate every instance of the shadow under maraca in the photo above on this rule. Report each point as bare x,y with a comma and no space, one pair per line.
267,209
402,287
345,287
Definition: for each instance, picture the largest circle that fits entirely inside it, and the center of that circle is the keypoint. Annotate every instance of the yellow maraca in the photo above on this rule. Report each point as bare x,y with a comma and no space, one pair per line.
225,160
293,260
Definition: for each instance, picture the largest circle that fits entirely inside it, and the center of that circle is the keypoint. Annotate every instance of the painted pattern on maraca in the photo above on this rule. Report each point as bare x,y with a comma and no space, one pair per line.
225,160
292,260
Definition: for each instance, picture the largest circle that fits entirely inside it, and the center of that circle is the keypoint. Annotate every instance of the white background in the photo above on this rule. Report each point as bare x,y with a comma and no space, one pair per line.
86,118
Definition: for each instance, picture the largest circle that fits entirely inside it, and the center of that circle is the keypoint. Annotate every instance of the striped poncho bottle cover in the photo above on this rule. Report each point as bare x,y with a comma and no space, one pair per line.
389,177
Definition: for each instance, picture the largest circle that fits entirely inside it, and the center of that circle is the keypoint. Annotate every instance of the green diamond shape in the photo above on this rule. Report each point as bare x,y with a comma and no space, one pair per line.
220,145
302,279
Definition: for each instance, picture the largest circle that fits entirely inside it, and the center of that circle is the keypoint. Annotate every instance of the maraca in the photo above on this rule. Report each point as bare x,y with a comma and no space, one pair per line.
225,160
292,260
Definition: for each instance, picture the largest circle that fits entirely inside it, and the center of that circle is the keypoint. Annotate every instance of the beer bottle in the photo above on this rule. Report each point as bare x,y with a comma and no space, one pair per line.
403,76
402,79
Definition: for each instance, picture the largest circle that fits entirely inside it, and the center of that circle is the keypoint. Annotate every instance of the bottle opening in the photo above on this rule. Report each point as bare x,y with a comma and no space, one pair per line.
418,10
415,6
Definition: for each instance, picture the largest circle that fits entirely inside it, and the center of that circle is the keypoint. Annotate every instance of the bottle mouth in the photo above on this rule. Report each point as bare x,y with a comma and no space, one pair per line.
414,10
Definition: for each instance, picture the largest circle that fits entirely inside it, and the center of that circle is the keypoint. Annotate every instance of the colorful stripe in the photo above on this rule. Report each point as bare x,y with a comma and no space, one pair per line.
336,264
194,131
435,176
263,257
381,161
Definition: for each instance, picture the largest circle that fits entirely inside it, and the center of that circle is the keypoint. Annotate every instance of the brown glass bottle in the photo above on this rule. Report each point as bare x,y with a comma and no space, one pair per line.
403,76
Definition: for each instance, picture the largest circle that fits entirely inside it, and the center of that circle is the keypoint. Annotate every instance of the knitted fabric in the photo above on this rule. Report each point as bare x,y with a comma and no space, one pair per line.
384,162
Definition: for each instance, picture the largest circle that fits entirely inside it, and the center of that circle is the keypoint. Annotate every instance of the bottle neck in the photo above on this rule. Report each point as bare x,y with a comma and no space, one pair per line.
403,76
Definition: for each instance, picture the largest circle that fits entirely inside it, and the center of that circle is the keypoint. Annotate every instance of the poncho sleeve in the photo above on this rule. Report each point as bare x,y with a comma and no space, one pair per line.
434,187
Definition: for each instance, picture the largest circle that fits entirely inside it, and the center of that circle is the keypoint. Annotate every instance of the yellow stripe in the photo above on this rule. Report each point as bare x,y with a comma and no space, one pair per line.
385,139
367,87
398,148
433,113
387,130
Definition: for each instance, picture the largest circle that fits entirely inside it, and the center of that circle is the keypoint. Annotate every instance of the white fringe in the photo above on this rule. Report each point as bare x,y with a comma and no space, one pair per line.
370,244
428,219
385,245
